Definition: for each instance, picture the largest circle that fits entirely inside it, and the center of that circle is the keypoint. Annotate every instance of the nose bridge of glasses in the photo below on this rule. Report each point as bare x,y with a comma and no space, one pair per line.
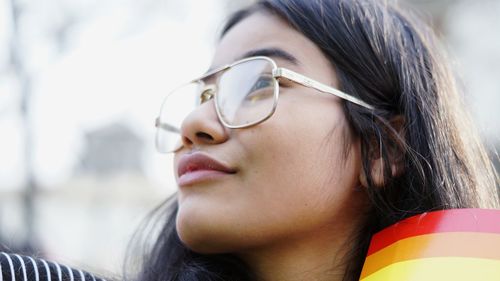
207,92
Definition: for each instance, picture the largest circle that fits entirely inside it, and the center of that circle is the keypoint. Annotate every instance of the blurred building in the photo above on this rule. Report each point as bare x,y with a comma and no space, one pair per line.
112,150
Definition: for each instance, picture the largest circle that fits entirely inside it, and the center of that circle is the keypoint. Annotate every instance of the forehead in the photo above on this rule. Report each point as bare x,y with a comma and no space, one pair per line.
263,30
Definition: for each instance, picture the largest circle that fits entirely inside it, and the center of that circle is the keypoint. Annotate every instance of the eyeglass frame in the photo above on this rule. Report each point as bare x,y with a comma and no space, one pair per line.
209,91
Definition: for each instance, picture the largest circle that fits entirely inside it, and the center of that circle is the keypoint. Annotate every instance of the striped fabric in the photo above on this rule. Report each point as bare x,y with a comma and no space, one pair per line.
14,267
457,244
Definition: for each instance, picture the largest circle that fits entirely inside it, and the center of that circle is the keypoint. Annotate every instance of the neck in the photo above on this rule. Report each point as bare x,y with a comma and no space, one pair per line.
313,256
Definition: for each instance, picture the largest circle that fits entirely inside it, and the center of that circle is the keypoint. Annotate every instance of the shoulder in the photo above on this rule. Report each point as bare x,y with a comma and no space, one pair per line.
15,267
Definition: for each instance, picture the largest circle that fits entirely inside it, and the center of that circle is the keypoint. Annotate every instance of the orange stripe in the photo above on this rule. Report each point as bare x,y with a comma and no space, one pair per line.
451,244
453,220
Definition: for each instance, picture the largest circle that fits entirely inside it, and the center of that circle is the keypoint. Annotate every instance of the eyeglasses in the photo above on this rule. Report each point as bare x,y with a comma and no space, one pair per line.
245,94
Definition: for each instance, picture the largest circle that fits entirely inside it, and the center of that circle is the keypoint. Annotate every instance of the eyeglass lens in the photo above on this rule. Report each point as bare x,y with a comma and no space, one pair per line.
245,95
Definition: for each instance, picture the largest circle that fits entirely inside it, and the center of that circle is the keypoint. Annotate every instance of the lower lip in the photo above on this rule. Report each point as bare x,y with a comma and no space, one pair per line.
199,176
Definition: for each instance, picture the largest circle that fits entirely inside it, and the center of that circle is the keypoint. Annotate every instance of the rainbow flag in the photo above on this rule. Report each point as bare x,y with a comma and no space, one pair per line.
456,245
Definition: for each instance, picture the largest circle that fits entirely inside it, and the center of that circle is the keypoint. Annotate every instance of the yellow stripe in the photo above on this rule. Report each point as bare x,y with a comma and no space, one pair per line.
439,269
452,244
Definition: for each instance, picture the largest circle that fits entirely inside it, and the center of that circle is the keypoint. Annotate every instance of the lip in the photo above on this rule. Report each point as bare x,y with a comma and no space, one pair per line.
197,167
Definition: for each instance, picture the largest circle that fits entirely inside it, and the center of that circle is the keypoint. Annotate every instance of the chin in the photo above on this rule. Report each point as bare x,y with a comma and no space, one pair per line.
200,237
203,244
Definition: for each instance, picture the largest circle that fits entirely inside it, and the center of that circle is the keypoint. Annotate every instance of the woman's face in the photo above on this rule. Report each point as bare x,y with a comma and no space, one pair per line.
292,176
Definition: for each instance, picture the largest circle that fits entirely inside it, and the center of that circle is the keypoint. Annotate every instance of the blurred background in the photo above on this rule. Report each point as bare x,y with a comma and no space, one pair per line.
81,82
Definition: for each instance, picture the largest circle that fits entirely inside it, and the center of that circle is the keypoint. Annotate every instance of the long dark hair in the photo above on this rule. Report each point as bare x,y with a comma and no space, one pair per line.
390,60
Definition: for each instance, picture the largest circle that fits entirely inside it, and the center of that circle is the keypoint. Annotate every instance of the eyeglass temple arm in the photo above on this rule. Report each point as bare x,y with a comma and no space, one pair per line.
165,126
308,82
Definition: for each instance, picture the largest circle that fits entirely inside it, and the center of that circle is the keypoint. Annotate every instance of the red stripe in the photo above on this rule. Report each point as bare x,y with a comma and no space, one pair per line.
453,220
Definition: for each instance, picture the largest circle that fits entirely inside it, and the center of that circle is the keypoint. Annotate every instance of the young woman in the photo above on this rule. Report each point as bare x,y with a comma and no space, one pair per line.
319,124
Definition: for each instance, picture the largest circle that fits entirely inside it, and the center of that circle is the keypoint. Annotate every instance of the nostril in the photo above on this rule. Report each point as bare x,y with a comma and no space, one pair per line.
187,140
204,136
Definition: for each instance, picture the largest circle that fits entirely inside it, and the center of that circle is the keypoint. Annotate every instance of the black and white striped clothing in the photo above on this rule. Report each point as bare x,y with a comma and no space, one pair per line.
14,267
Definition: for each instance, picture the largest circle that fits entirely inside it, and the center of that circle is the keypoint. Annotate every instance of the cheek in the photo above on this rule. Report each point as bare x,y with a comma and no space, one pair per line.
302,145
298,174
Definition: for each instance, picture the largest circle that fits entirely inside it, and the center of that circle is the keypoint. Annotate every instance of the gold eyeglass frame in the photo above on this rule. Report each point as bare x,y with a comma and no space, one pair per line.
209,91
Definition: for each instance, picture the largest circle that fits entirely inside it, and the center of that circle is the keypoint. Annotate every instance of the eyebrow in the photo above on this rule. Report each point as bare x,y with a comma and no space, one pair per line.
273,53
268,52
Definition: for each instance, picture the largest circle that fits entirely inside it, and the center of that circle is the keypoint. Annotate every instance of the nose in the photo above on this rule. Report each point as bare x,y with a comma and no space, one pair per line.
202,127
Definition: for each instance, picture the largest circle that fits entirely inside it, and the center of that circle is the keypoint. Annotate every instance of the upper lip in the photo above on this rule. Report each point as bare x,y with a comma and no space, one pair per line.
200,161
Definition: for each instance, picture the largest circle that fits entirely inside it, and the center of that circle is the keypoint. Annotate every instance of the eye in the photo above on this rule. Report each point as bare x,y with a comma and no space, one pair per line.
262,82
263,88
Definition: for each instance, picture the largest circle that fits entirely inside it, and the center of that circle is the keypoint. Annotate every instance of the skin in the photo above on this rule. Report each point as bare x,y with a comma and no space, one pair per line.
291,208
